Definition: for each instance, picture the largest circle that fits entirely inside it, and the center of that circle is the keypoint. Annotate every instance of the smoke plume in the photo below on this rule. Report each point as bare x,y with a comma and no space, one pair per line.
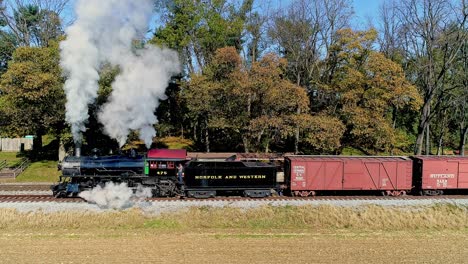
115,196
106,31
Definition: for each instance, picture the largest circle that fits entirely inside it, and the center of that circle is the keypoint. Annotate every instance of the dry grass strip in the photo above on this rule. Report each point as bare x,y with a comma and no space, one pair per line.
437,217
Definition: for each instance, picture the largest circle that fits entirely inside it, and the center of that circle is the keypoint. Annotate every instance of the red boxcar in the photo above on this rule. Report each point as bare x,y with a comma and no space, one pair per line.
433,174
308,174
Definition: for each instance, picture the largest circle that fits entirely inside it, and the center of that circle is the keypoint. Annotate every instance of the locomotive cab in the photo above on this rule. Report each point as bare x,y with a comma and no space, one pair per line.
161,169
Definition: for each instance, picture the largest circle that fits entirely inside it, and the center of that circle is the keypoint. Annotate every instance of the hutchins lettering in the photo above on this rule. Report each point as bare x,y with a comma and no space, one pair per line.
442,176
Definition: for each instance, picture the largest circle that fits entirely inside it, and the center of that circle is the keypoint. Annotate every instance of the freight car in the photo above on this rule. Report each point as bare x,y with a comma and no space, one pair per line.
434,175
309,175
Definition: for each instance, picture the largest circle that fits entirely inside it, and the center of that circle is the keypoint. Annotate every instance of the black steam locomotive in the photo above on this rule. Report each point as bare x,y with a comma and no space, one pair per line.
158,170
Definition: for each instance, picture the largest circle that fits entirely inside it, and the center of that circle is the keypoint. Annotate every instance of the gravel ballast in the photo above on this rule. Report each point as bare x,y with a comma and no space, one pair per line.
158,207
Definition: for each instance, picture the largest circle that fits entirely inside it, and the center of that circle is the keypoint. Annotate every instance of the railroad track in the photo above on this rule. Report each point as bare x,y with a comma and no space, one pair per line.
36,198
49,198
10,187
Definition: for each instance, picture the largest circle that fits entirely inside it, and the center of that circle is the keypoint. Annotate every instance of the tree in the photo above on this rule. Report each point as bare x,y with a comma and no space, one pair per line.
459,82
297,36
322,133
34,100
215,98
256,105
391,31
198,28
367,87
32,23
7,45
275,101
255,36
432,38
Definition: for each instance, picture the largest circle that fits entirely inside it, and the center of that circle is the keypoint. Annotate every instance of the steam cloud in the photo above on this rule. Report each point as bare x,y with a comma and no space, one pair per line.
115,196
105,32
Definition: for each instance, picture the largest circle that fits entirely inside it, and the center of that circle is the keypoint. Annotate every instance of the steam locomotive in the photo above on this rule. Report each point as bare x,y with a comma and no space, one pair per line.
298,176
158,170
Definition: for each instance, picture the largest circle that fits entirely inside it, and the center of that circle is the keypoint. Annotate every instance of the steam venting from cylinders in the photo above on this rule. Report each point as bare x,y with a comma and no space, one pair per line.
105,31
115,195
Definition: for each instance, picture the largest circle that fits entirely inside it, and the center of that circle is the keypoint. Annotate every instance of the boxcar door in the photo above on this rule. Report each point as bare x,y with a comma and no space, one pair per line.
463,175
333,176
388,175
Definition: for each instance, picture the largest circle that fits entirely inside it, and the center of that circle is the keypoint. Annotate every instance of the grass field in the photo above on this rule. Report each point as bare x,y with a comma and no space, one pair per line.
324,234
40,171
233,246
12,158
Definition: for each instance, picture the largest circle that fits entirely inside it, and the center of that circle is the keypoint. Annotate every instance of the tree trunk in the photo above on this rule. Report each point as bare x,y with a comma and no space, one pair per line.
428,141
394,117
428,132
439,145
195,136
245,141
296,135
37,142
463,135
207,138
423,124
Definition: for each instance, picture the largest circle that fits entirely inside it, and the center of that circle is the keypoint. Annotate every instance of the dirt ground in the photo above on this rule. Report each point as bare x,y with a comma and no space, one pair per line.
232,246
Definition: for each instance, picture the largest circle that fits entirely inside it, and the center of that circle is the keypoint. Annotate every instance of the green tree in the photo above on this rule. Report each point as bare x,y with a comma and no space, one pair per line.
7,45
198,28
34,99
32,24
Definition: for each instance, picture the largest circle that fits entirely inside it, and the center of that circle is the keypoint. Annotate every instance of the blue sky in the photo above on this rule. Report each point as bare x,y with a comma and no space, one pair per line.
365,9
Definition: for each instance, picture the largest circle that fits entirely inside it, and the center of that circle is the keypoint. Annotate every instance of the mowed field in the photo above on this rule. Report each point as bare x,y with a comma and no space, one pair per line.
213,235
234,246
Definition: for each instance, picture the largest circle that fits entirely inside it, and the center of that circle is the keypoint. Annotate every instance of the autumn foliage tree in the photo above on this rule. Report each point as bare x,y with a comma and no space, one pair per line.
257,104
370,91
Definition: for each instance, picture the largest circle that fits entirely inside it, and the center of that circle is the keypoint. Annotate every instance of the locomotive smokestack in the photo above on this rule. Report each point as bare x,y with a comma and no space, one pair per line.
77,151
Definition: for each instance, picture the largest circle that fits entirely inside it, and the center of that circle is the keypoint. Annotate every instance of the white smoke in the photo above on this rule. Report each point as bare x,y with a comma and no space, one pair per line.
105,31
115,196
